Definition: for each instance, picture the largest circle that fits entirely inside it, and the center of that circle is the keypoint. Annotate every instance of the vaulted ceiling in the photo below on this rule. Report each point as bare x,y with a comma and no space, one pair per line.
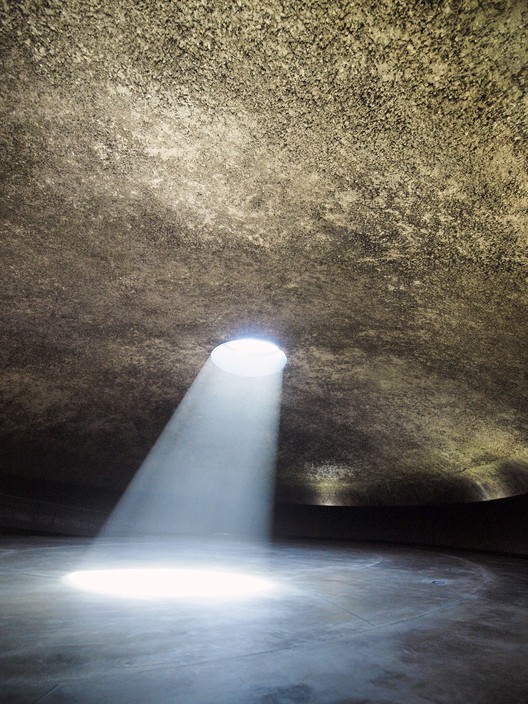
348,179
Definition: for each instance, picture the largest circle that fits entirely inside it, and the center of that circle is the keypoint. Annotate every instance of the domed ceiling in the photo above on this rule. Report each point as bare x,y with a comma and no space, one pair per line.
348,179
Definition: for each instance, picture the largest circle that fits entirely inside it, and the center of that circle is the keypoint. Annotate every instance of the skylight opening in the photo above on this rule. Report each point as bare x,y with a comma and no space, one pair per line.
249,357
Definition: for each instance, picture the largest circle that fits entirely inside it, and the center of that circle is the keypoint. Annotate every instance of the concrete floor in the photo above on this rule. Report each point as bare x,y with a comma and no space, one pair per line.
343,624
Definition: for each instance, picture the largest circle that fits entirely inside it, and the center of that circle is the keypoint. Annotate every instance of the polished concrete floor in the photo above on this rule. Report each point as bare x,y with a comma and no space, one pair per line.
341,624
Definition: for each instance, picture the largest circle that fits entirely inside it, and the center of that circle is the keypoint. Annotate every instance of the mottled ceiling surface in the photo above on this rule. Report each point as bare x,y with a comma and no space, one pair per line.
346,178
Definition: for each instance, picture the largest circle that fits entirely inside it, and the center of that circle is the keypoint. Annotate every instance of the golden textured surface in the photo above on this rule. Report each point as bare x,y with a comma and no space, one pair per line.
349,179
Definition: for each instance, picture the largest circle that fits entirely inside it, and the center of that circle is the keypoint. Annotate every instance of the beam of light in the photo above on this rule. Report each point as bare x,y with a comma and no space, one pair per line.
249,357
168,583
211,471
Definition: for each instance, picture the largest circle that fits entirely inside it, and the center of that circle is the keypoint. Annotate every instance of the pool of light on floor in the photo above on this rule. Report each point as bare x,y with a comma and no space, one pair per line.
168,583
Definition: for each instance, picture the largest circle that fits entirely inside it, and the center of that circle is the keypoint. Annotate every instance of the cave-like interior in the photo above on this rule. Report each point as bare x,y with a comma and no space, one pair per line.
345,179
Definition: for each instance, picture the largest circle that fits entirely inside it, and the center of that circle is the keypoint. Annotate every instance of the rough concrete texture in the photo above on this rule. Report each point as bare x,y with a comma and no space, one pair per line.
348,179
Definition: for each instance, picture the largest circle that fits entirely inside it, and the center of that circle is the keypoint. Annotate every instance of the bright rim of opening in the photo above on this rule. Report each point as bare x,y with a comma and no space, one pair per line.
249,357
167,583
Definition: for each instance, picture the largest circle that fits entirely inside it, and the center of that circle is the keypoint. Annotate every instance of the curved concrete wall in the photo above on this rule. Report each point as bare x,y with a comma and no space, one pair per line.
492,525
487,525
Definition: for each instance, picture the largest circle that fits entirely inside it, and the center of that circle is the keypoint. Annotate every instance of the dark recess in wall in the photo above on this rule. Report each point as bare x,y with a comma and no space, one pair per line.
498,525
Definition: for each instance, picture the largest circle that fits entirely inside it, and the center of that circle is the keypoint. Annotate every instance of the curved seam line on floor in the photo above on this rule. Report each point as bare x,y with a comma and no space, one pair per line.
49,691
341,608
423,614
169,667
